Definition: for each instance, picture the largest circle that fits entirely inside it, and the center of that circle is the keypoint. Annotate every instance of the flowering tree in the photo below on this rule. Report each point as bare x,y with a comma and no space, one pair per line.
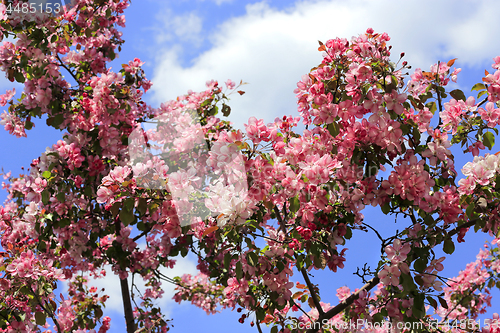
254,207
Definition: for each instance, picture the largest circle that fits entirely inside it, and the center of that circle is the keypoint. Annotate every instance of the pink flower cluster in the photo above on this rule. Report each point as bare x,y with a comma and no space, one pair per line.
481,171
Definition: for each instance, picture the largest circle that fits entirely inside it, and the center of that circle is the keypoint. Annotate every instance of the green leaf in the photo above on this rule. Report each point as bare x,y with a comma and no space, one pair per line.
28,125
274,329
448,246
418,305
206,103
432,302
42,246
142,206
348,233
98,313
407,283
481,93
300,262
57,120
470,209
40,318
127,216
226,110
420,265
45,197
442,302
115,208
227,260
129,204
46,174
153,207
239,271
280,266
19,77
260,314
478,86
141,226
458,94
111,54
386,208
252,259
61,197
431,106
428,220
333,128
378,318
294,204
489,140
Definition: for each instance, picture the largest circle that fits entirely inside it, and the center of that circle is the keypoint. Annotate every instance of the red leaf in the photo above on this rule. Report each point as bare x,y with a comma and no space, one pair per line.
301,286
241,92
322,48
209,230
451,62
429,75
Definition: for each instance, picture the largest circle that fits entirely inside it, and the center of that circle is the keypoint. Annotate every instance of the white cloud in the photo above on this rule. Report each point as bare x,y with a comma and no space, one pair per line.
219,2
186,27
271,49
111,284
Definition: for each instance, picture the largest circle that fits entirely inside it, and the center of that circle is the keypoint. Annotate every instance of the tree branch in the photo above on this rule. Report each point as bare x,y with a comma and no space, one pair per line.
322,319
61,63
280,220
300,308
127,304
318,324
313,292
258,326
468,224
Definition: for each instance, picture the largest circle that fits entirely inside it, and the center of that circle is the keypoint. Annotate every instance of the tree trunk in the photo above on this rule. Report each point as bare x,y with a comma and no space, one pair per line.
127,306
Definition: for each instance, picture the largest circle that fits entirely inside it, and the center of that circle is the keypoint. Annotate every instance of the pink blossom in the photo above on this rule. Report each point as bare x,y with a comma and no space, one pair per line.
104,194
397,252
230,84
119,174
7,96
256,130
389,275
394,101
490,114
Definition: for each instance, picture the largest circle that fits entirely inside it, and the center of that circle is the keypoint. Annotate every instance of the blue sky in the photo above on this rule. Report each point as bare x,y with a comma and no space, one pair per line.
270,44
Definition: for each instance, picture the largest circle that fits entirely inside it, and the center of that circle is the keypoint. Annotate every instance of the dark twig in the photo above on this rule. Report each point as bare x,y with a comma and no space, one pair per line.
258,325
312,290
323,318
280,220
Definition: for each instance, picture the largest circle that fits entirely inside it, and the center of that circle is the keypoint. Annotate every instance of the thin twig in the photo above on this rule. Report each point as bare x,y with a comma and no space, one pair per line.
322,319
280,220
374,230
300,308
258,325
47,310
313,292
